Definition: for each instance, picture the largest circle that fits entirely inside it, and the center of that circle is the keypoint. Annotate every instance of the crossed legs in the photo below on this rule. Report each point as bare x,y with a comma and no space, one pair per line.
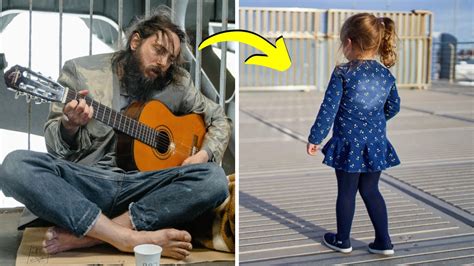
73,197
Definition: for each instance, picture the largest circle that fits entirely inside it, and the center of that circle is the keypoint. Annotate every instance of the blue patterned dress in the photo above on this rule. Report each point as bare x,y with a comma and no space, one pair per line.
360,98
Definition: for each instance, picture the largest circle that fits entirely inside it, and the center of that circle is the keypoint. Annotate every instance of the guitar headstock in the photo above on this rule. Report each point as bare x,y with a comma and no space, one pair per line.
34,85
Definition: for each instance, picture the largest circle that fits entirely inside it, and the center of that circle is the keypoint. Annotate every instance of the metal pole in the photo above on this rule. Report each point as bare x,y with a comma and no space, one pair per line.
120,21
430,48
60,34
452,62
30,33
91,11
147,8
198,41
1,8
222,75
29,66
455,18
173,11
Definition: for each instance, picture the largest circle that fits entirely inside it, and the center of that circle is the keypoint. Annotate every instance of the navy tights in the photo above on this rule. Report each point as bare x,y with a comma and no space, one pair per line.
367,184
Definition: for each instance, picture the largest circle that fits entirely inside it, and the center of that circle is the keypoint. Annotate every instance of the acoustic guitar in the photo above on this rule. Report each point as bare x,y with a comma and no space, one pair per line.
150,137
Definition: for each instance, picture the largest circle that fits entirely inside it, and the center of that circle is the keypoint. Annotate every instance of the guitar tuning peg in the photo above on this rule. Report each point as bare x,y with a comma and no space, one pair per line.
28,98
17,95
39,100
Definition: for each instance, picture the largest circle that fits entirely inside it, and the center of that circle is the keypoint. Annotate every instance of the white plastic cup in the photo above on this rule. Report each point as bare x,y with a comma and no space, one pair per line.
147,255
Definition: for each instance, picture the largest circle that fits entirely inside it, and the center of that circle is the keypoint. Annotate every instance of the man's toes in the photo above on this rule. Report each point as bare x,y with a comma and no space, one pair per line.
179,235
178,254
183,252
187,236
51,249
182,245
47,243
51,234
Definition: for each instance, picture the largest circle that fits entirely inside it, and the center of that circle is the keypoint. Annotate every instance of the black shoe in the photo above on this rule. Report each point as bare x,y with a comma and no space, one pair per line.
381,250
331,242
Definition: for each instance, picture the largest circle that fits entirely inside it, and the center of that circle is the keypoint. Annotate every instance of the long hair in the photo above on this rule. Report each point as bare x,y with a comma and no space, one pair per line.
158,20
371,34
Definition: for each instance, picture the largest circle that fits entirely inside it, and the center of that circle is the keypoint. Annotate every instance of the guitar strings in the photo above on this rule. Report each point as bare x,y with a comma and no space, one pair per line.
142,132
151,136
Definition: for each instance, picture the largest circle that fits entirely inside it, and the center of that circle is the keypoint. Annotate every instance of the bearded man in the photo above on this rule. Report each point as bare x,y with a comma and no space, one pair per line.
78,185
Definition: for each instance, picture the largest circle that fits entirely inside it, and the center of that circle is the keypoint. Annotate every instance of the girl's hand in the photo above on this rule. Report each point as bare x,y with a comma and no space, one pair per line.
312,149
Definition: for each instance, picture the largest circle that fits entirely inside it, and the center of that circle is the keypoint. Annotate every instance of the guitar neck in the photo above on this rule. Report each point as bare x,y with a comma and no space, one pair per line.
116,120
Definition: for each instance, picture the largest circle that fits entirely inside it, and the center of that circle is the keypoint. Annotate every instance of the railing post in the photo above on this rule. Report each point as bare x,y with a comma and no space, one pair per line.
29,66
452,62
197,70
61,2
173,10
430,49
120,22
147,8
91,11
223,66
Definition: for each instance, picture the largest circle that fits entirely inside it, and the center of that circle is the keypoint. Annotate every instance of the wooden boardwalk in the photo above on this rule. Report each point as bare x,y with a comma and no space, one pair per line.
287,199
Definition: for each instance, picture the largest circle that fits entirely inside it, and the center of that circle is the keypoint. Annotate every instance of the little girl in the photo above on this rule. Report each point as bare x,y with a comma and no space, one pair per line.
360,98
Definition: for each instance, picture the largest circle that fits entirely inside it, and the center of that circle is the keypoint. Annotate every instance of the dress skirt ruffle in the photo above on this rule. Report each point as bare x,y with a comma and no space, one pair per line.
354,157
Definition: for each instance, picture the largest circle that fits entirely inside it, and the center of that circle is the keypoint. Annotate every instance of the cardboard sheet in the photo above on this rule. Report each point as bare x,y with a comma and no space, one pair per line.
30,253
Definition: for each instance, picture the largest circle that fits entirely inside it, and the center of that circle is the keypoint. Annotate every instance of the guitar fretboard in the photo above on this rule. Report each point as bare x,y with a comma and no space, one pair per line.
118,121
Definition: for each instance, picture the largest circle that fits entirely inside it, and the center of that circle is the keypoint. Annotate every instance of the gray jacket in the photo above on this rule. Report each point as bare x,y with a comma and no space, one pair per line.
95,143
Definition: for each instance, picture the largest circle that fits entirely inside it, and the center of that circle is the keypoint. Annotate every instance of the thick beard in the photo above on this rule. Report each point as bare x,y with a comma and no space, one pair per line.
139,86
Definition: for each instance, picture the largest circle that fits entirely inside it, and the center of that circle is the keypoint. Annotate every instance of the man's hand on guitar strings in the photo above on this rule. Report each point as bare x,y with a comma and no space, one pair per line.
200,157
76,114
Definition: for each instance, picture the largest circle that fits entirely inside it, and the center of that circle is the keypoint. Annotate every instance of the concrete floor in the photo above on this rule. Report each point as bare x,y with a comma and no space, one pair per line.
10,238
287,199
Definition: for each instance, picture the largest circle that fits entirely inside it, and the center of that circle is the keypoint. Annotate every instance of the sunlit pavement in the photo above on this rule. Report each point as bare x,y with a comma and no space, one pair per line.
287,198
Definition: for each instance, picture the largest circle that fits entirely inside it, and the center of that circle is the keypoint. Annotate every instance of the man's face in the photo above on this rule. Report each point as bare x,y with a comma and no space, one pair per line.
156,53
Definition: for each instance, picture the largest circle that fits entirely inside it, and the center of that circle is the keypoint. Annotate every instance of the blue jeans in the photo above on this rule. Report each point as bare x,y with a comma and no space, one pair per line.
72,196
368,186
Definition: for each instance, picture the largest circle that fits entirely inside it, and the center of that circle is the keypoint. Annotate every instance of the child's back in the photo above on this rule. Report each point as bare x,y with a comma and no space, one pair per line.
362,95
360,98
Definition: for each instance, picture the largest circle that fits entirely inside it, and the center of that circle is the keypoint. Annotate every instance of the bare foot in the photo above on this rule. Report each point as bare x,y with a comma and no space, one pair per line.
57,240
175,243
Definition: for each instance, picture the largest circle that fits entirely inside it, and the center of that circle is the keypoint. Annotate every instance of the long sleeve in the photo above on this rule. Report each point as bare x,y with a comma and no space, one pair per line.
328,109
218,125
56,143
88,138
392,105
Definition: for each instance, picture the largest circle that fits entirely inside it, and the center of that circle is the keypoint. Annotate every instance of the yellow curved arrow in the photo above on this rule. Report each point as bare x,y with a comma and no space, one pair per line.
275,56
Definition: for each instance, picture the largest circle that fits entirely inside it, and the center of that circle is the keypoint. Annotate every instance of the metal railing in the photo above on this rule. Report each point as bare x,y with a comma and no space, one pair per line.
453,62
312,38
207,86
91,18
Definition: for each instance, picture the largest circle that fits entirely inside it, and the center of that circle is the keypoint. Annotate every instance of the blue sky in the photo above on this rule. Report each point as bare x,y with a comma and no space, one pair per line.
451,16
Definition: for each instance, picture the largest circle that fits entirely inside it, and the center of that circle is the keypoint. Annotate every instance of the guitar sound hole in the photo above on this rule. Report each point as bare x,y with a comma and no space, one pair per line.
163,142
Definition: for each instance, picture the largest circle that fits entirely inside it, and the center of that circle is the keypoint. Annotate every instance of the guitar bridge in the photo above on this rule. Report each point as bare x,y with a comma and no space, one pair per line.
172,147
